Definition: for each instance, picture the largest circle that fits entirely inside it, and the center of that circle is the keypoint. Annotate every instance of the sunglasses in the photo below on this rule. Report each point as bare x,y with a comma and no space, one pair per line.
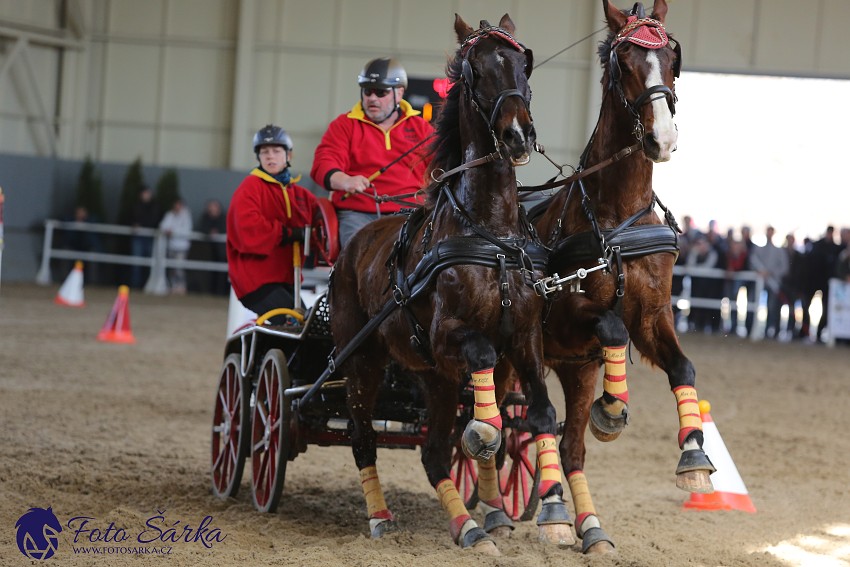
380,93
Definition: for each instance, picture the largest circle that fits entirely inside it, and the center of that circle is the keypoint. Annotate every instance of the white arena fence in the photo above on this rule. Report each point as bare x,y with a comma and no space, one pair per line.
157,283
316,278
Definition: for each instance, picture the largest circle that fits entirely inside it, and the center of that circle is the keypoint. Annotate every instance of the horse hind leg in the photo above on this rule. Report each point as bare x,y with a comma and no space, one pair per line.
609,414
361,401
594,540
496,521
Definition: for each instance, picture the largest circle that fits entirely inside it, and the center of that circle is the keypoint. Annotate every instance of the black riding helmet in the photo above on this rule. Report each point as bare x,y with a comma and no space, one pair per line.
383,73
271,135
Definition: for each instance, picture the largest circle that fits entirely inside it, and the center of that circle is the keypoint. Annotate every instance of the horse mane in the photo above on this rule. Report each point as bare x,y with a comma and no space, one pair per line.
446,150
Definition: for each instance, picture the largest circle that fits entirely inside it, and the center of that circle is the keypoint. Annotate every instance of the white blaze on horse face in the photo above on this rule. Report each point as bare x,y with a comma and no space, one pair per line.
664,128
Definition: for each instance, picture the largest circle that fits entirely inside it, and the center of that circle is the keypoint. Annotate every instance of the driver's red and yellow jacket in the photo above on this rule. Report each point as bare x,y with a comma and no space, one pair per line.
355,145
259,209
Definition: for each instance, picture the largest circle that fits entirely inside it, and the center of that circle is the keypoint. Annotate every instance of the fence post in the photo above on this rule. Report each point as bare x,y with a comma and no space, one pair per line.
157,283
43,275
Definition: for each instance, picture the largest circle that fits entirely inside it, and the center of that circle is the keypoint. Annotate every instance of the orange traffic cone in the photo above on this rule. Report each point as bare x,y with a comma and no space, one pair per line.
71,292
116,329
729,490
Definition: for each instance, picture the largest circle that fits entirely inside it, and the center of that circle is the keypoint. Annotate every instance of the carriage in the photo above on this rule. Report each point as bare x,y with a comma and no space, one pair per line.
260,415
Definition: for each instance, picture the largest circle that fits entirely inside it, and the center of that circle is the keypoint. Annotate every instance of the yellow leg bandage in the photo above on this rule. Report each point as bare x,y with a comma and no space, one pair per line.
581,496
488,483
688,407
614,381
485,398
548,463
453,505
376,506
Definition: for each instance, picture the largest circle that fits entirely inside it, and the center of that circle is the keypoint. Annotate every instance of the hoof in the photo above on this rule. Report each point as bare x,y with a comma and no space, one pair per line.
383,527
695,481
596,542
487,548
480,440
557,534
604,426
498,524
692,473
479,541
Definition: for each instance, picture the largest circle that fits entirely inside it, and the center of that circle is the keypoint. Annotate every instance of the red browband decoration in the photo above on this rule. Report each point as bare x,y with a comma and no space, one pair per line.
485,32
645,32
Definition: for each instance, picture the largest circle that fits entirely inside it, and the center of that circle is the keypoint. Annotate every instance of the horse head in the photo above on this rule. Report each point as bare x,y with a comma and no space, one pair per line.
640,63
494,71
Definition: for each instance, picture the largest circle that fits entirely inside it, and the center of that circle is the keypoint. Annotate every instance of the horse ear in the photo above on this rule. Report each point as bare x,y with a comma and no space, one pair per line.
507,24
616,19
462,29
659,10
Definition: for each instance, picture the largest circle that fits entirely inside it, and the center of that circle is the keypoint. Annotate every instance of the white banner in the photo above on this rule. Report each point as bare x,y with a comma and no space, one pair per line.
839,309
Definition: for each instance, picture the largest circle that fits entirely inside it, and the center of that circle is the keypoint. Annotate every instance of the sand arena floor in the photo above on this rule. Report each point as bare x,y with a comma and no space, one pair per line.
121,434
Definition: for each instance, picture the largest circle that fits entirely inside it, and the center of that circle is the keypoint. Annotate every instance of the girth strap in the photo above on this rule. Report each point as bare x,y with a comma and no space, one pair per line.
632,241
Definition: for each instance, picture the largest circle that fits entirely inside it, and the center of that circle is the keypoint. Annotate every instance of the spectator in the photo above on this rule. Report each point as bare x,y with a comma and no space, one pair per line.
792,283
214,223
177,226
736,261
357,147
702,255
145,215
820,264
772,264
266,219
82,240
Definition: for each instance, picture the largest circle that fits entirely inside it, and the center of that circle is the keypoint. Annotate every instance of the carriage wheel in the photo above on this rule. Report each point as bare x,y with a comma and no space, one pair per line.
231,428
325,235
518,476
270,432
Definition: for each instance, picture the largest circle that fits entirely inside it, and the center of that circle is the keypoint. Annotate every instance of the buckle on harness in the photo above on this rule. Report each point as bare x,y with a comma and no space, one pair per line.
398,296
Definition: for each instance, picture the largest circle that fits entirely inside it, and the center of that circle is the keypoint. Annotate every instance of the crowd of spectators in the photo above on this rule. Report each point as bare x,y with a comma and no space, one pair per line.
793,273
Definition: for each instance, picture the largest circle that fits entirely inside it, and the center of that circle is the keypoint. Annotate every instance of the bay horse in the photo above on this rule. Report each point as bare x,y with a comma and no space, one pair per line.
605,218
460,300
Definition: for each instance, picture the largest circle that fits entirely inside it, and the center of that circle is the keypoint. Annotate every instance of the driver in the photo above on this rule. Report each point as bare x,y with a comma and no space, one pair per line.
380,128
266,218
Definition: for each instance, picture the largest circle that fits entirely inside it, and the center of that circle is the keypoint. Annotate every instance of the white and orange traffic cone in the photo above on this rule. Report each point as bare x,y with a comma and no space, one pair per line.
116,329
71,292
729,490
238,316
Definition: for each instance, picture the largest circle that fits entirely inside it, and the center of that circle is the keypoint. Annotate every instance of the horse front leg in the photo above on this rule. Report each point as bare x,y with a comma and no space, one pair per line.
364,380
578,381
436,458
609,414
496,522
659,344
553,521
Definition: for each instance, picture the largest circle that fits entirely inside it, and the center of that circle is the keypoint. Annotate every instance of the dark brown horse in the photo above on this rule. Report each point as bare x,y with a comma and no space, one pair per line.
460,274
607,219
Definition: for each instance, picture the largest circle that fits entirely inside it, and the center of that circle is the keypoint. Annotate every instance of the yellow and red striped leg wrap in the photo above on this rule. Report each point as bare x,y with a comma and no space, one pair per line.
614,382
548,463
581,498
453,505
376,506
484,391
488,483
688,407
